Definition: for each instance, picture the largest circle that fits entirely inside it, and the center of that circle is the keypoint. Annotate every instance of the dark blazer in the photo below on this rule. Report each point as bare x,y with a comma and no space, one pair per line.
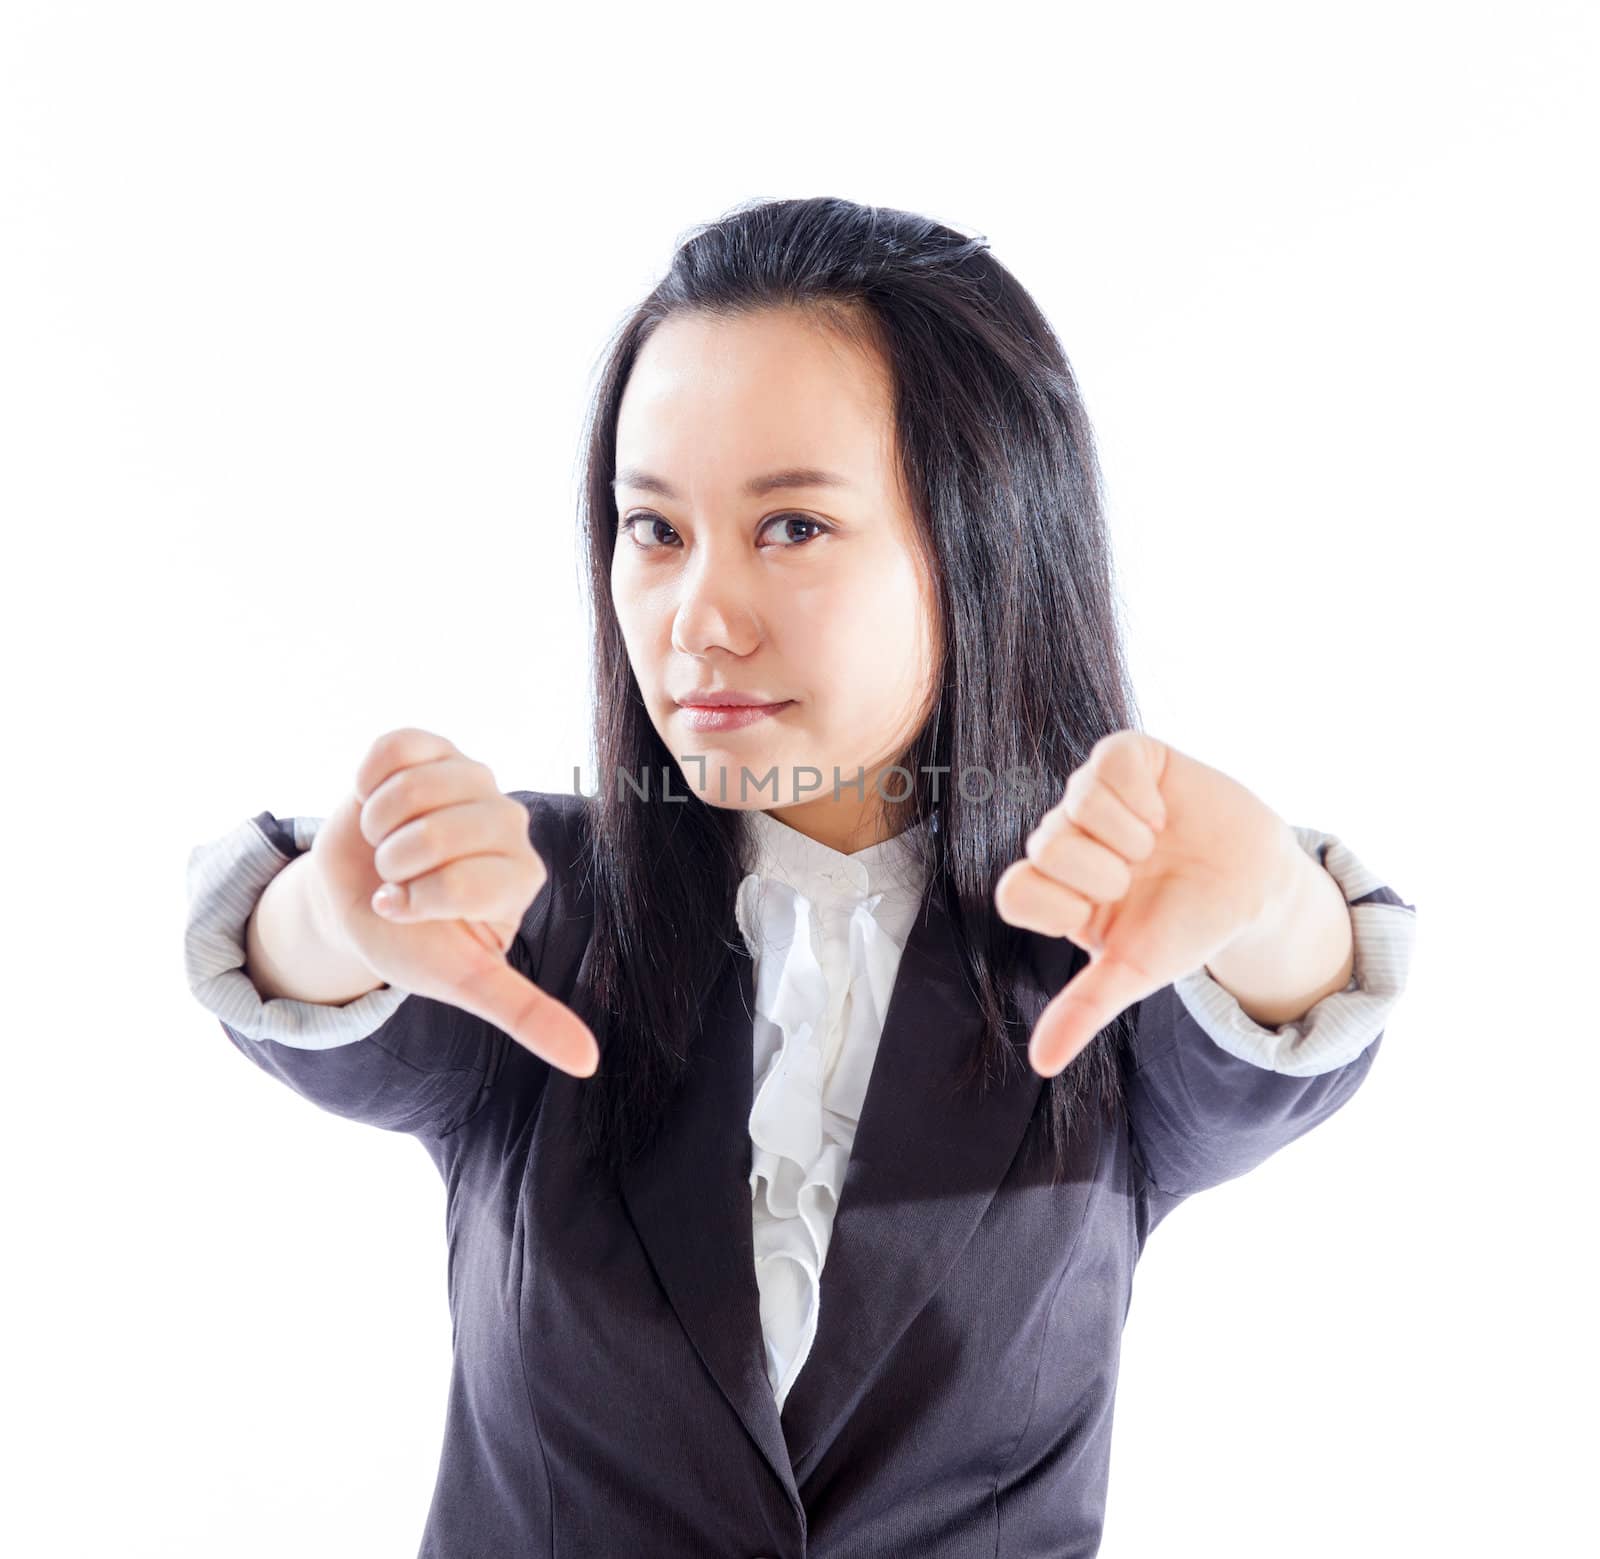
608,1393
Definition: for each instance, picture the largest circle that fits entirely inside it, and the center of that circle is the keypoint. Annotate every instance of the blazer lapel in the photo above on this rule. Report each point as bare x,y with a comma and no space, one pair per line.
689,1197
924,1167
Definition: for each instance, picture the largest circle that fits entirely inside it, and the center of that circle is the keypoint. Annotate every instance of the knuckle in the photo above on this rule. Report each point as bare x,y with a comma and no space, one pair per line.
442,891
407,742
404,851
1048,841
422,833
387,798
1088,802
394,746
384,755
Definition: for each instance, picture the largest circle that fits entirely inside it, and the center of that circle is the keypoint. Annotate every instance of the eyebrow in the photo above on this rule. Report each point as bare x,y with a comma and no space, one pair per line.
756,487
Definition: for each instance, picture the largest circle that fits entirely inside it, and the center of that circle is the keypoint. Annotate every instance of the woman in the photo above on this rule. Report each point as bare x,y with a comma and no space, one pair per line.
801,1136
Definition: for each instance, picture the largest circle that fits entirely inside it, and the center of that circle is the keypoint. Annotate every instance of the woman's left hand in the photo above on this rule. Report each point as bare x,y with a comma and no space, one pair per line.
1152,863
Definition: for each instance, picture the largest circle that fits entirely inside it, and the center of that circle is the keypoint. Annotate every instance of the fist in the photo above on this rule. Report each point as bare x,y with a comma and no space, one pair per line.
1152,862
425,872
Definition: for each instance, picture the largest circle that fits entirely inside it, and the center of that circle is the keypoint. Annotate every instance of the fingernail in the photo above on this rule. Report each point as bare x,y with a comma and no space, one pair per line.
389,898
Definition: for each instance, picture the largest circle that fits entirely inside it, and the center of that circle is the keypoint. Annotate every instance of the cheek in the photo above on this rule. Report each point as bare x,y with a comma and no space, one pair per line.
894,621
869,637
640,614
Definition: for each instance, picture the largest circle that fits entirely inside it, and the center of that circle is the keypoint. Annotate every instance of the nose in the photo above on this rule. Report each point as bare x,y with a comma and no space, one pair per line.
715,611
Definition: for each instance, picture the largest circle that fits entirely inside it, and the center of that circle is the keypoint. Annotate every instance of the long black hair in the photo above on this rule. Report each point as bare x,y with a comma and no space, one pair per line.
998,459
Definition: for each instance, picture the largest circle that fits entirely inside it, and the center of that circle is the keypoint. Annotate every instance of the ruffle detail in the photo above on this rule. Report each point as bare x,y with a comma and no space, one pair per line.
807,1101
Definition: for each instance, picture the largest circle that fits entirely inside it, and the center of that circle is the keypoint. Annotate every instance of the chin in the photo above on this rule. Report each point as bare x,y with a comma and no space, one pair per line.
722,774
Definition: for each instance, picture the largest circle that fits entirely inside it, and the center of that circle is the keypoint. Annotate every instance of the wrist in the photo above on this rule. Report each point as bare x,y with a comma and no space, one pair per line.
333,961
1291,881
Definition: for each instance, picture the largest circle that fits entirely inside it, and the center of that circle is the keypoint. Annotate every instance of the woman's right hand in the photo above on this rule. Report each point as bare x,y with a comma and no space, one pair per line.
434,823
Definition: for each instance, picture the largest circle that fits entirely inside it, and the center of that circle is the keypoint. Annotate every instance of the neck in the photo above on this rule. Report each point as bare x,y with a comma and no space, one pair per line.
844,824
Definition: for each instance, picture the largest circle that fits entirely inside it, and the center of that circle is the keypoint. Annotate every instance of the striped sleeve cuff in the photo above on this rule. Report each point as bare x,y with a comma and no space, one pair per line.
1340,1026
226,877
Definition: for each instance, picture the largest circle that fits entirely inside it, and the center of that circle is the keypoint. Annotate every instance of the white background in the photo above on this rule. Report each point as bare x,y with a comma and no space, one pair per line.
299,307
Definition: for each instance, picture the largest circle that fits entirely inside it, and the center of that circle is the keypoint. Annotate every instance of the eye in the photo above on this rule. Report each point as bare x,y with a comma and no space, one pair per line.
797,519
642,521
631,523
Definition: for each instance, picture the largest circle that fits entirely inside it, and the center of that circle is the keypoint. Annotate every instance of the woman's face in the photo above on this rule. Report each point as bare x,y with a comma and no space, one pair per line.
810,593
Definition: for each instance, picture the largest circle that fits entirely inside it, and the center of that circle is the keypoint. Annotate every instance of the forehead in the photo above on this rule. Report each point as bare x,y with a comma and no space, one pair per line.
766,390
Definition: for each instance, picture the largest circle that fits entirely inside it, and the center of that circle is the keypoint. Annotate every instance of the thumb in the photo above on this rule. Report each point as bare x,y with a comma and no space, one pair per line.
532,1017
1081,1008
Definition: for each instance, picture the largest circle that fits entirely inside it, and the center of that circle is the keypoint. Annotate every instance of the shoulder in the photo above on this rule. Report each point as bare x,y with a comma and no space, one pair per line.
558,823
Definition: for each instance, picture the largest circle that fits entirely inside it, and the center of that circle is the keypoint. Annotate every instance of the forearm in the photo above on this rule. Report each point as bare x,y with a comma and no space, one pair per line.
1300,951
287,953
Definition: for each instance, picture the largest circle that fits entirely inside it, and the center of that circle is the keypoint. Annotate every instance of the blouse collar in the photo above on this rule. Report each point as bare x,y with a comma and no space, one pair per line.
827,876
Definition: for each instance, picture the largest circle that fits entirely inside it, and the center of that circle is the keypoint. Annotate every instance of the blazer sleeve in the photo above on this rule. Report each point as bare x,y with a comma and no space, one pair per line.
1211,1094
391,1059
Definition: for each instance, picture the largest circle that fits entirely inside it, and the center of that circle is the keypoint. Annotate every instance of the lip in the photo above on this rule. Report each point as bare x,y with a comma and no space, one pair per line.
723,698
732,715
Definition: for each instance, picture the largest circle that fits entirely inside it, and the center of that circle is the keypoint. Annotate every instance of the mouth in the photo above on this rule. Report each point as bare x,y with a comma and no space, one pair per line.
730,712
